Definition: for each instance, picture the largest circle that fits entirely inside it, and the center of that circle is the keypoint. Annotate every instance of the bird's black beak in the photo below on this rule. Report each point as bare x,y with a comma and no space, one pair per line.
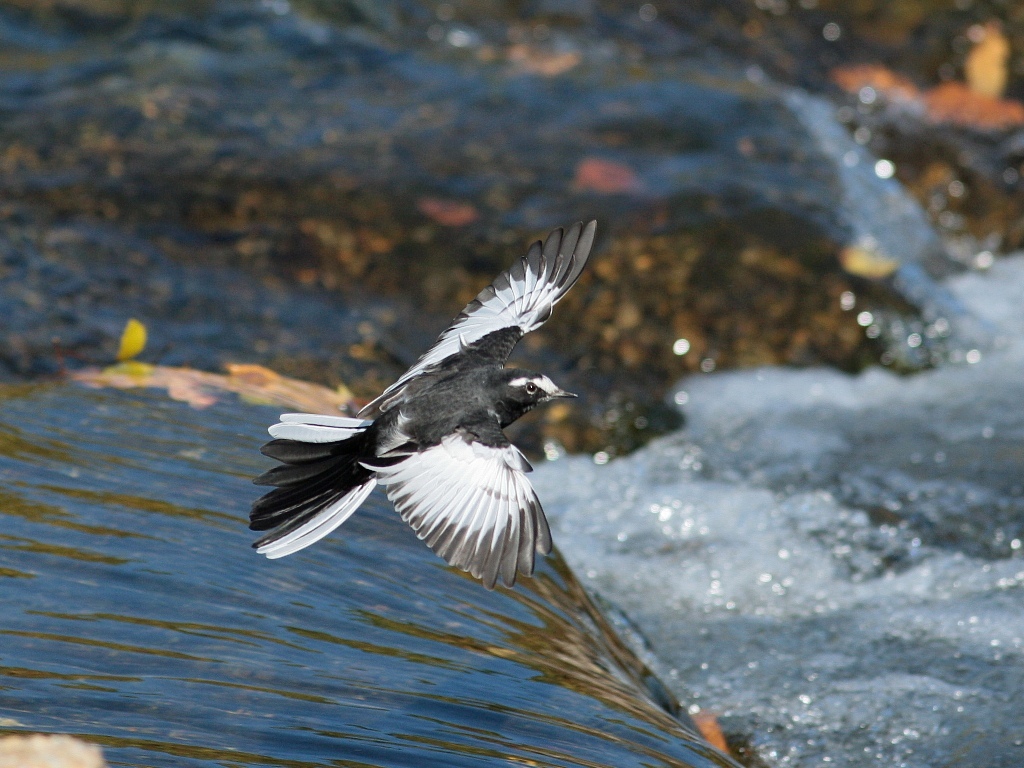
563,393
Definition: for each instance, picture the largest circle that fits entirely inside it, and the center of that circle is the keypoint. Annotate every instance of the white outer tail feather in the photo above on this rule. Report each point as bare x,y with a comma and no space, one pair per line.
317,428
314,428
321,525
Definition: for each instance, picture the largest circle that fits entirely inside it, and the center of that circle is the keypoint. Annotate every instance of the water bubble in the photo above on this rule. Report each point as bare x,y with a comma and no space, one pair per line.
867,95
864,319
648,12
831,31
847,301
914,340
707,365
681,398
973,356
681,347
459,38
956,188
553,450
984,260
601,457
884,169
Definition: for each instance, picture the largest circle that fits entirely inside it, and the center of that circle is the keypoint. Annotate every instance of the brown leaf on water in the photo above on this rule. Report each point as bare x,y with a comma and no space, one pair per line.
893,86
709,728
535,61
450,213
595,174
957,104
201,389
953,103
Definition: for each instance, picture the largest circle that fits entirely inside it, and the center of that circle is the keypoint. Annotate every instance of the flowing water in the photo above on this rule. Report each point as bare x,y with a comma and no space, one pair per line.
833,563
136,615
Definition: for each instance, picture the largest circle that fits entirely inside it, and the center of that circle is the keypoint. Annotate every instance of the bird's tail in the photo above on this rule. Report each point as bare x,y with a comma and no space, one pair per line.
319,483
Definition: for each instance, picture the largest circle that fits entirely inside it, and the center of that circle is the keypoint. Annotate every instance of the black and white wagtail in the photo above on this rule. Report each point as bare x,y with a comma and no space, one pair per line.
434,438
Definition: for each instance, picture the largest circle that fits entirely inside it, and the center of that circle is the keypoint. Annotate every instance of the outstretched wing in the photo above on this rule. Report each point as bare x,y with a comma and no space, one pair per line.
517,302
472,504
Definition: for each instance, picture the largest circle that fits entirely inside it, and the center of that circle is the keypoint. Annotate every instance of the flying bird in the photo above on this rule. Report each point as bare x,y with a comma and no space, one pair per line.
434,438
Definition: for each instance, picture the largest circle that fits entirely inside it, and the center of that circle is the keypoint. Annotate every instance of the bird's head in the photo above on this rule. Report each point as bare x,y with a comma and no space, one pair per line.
524,390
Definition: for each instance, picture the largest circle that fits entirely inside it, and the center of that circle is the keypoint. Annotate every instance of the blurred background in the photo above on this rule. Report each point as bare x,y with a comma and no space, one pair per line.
319,186
796,459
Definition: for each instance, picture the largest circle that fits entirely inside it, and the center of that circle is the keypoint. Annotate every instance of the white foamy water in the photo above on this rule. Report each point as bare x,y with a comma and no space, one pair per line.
833,564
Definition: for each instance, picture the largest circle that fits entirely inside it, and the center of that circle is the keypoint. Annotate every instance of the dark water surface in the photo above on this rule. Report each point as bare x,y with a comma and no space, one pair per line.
135,614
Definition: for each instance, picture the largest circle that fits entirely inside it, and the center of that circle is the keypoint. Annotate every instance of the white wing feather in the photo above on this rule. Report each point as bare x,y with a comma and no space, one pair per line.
468,501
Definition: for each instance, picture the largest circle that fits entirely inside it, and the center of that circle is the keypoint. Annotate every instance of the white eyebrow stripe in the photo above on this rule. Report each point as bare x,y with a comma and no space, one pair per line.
542,382
547,385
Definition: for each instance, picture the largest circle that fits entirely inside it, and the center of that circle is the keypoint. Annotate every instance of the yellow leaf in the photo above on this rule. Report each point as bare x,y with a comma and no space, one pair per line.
986,64
866,262
133,340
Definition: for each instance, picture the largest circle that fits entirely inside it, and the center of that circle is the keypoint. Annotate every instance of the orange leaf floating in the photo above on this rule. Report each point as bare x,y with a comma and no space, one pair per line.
595,174
893,86
709,728
201,389
952,103
534,61
957,104
450,213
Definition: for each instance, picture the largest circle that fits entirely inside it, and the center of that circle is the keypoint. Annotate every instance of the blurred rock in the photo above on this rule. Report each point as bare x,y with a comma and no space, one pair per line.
413,151
41,751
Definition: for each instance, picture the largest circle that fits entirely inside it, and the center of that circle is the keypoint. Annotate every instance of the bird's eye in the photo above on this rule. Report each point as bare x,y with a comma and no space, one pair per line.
531,388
